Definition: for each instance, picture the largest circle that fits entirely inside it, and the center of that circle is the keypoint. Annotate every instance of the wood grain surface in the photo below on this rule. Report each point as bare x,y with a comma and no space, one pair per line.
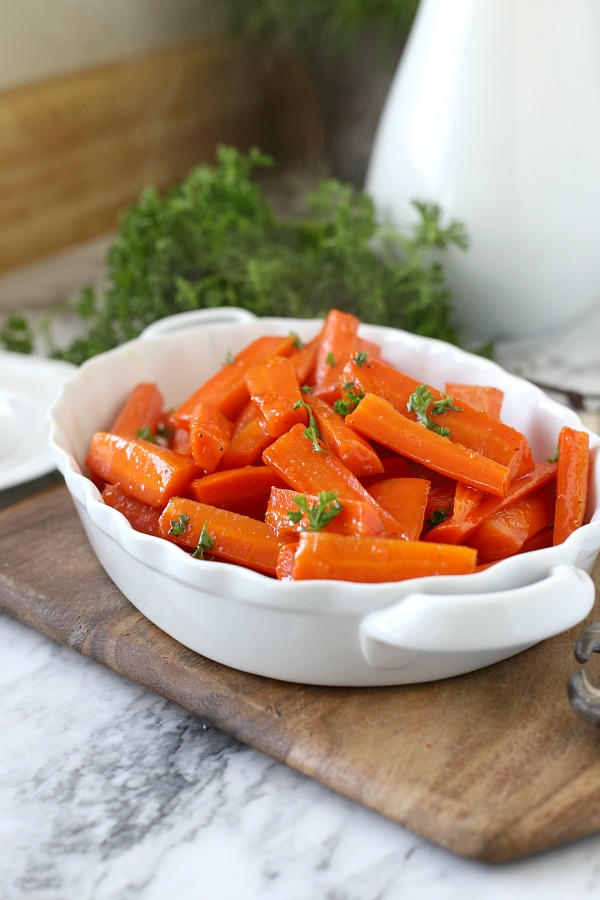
76,150
492,765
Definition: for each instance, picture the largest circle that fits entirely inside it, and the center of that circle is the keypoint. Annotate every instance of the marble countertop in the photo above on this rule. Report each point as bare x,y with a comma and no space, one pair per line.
109,792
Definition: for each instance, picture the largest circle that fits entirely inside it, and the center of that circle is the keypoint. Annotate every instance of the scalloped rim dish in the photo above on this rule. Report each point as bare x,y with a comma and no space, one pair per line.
330,633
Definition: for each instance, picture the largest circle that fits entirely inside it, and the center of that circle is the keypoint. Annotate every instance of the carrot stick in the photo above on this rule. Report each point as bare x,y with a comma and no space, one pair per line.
143,409
355,516
245,490
571,482
405,499
141,516
355,452
274,388
227,389
484,399
147,471
338,341
377,419
210,434
180,441
224,534
470,427
454,531
248,440
505,533
304,358
305,465
367,559
481,397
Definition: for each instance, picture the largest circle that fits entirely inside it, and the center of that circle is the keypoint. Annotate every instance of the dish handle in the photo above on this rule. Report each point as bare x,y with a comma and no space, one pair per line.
193,318
473,622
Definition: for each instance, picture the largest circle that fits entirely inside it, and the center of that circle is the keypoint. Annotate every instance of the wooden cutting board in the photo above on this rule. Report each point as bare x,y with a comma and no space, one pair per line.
492,765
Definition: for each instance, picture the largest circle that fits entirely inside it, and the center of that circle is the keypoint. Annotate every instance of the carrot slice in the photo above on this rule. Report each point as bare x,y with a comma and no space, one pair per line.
141,516
227,389
245,490
304,358
143,409
377,419
338,341
356,558
144,470
484,398
454,531
210,434
405,499
470,427
229,536
571,482
505,533
275,391
309,468
355,516
248,440
355,452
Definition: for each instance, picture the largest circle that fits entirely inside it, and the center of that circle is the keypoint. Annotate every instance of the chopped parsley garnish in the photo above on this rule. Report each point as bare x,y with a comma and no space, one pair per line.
350,399
319,514
312,435
298,342
361,358
146,434
229,358
330,359
424,405
205,543
438,515
179,525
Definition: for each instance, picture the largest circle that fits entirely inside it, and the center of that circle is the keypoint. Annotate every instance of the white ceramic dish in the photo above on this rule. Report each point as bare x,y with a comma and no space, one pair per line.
329,633
28,385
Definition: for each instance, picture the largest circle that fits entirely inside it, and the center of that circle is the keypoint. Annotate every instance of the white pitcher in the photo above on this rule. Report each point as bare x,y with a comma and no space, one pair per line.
494,113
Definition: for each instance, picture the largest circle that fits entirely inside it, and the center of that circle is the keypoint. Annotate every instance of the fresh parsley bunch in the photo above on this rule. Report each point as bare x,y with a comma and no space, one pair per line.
214,240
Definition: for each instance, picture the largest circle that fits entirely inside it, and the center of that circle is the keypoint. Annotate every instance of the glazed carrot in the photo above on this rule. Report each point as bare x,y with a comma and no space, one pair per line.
227,389
356,558
210,434
453,531
338,341
143,409
377,419
245,490
471,428
539,541
440,503
571,482
141,516
354,517
147,471
305,465
485,398
405,499
355,452
394,466
466,499
274,389
180,441
220,533
285,561
248,440
505,533
303,359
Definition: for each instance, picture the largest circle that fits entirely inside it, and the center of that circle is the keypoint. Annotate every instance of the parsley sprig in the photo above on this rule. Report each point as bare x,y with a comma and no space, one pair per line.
424,405
351,397
206,543
319,514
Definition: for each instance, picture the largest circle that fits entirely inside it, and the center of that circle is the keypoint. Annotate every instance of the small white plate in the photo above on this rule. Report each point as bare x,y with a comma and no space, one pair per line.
28,385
